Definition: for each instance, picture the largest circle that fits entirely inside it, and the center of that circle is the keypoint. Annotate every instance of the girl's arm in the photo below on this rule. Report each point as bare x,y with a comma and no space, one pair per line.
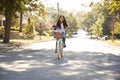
66,28
54,25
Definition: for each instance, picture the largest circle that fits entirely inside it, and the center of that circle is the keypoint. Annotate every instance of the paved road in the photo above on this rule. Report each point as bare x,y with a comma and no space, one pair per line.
84,59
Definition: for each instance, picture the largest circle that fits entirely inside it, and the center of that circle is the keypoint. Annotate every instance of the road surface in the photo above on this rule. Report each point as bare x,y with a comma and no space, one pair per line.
84,59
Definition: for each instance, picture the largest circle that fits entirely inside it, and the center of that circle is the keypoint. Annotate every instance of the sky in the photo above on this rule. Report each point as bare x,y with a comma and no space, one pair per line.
70,5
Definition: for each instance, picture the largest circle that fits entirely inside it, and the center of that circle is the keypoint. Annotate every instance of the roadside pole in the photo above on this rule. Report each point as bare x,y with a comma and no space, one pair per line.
58,10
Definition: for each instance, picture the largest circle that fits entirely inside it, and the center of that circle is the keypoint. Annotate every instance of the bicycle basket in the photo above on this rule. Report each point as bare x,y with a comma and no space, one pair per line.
57,35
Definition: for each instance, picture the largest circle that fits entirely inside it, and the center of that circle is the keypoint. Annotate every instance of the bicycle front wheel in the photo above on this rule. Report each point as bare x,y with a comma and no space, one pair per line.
59,48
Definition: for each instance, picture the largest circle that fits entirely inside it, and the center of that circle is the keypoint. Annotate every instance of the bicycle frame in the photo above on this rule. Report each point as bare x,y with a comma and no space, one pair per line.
59,44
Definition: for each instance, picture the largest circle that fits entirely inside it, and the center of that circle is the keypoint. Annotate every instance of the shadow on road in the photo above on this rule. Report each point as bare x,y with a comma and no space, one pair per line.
43,65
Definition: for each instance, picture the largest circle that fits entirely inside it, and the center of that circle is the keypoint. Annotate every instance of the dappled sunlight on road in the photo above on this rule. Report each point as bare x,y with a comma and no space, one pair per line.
16,66
23,65
68,73
43,64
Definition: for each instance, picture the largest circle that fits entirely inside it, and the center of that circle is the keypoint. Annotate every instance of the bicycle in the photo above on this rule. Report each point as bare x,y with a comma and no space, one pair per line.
59,44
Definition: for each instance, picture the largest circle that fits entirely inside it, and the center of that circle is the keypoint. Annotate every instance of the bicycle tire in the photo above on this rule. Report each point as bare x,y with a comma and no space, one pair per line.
59,48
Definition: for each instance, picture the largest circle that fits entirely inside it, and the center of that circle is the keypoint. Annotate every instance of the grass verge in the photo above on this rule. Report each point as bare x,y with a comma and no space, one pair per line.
115,43
25,41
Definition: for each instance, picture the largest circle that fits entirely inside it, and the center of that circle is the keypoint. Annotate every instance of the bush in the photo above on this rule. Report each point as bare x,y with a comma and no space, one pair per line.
29,30
42,27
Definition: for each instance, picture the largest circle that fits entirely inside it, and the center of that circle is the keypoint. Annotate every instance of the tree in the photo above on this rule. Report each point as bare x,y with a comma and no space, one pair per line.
33,7
117,27
72,21
103,17
21,20
81,16
30,29
112,11
89,21
105,25
9,8
97,27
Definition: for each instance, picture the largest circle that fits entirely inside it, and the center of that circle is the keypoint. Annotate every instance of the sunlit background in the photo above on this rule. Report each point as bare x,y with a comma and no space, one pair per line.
70,5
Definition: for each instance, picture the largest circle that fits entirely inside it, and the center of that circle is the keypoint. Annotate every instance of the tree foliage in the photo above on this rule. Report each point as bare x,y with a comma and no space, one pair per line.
30,29
104,18
73,25
9,9
117,27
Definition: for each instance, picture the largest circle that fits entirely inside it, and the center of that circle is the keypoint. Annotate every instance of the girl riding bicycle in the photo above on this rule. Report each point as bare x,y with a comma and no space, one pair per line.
61,26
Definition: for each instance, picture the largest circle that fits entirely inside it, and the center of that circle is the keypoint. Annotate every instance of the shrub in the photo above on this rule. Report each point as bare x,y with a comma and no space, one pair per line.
30,29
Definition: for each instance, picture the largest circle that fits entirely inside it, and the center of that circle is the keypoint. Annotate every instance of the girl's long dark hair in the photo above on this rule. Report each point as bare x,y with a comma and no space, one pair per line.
64,22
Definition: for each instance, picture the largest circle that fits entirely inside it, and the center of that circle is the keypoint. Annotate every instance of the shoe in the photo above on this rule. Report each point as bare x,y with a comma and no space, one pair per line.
64,45
55,51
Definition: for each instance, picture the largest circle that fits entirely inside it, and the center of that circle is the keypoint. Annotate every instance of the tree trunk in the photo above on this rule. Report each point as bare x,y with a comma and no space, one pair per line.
113,36
40,32
112,31
21,19
7,29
